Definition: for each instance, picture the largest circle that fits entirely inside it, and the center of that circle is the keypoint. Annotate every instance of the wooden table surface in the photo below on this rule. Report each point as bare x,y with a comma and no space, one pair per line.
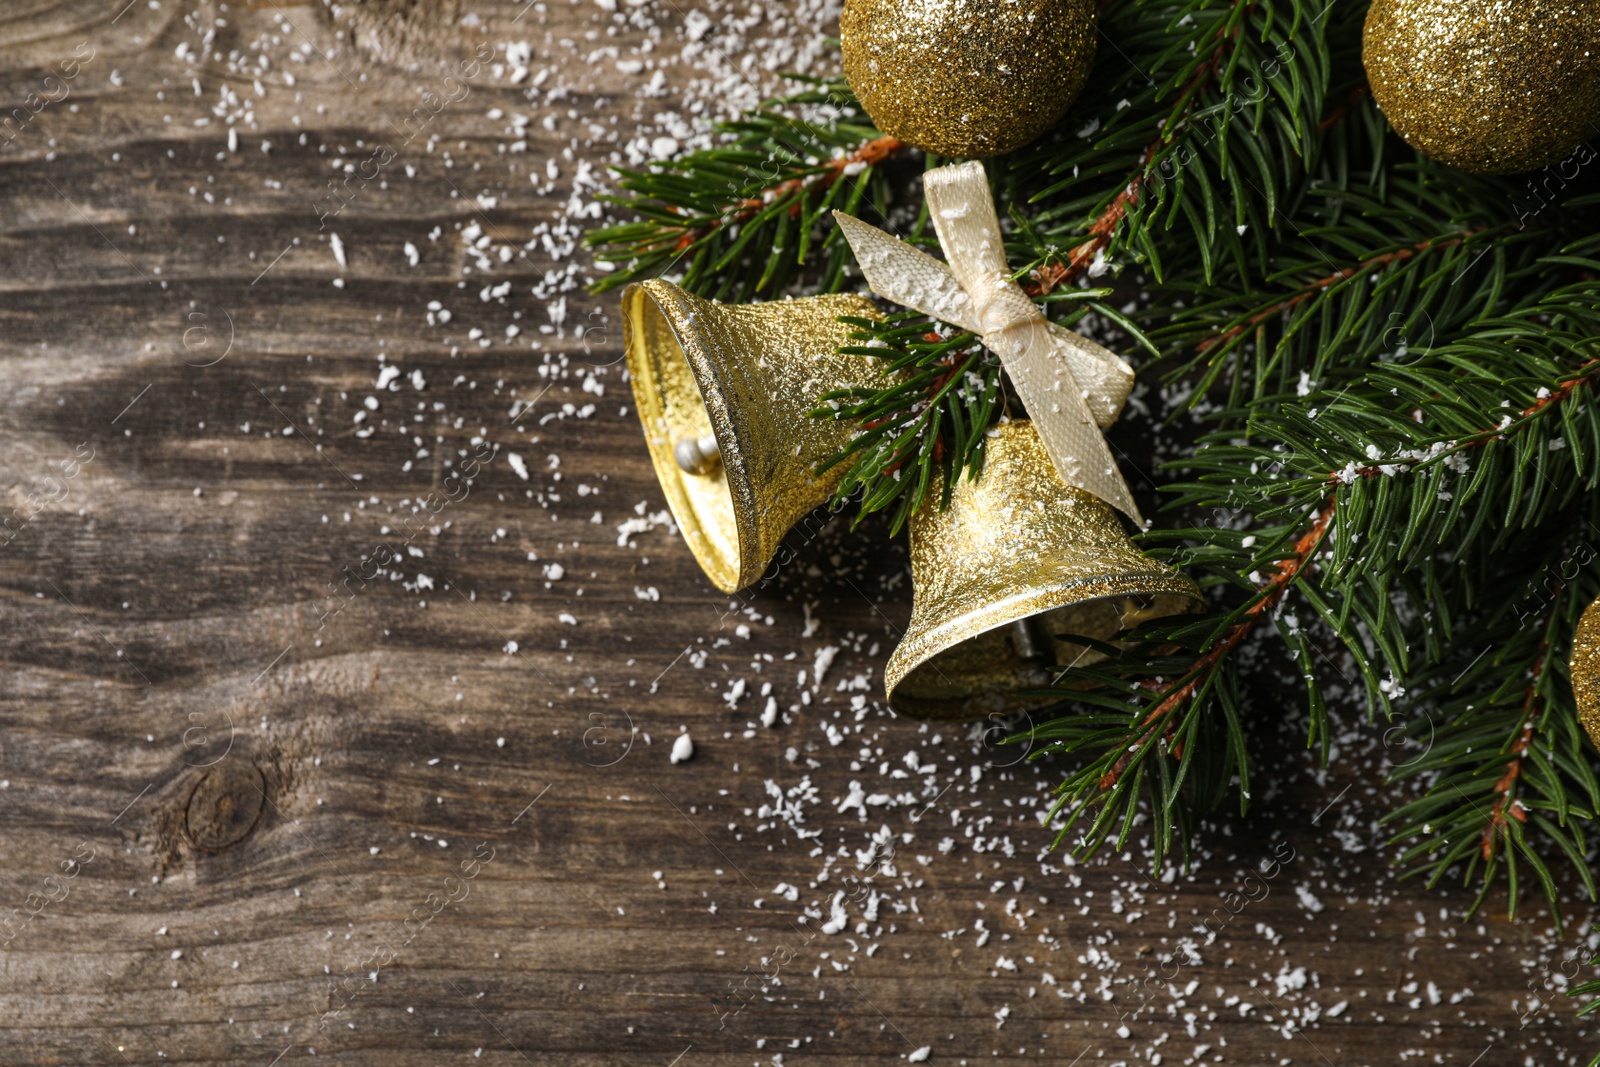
338,698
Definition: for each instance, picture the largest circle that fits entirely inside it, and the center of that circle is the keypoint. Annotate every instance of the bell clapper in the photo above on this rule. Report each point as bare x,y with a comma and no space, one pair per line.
1033,645
697,455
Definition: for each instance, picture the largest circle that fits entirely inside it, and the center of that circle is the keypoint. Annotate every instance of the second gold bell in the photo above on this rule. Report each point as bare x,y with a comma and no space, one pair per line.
1004,577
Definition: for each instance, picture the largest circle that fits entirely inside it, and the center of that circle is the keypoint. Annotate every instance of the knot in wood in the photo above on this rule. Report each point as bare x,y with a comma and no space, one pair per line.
225,805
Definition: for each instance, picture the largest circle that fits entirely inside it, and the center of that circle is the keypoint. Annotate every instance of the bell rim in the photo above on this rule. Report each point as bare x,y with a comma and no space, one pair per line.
915,650
727,575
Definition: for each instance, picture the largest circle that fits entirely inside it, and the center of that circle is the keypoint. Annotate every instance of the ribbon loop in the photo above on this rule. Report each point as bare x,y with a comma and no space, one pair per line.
1072,387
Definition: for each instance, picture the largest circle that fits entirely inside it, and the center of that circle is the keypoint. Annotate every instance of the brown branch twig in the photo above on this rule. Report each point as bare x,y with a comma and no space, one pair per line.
1051,277
1269,593
1273,589
1054,275
1315,287
870,152
1343,109
1507,805
1555,396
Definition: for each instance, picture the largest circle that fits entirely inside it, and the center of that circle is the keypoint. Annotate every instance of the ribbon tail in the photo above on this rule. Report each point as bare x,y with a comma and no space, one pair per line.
1040,369
907,276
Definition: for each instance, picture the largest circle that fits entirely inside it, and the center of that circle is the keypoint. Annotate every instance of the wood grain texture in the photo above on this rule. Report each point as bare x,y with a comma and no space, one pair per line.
262,802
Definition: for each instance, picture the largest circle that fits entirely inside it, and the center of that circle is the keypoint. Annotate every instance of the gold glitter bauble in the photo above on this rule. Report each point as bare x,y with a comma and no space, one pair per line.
1586,670
1018,558
743,379
1492,86
967,78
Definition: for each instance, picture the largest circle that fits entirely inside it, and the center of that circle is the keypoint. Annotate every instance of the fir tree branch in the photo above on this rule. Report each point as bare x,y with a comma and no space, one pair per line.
1554,393
1055,273
1269,593
1169,727
1219,94
867,154
743,217
1328,494
1501,764
1103,230
928,428
1311,289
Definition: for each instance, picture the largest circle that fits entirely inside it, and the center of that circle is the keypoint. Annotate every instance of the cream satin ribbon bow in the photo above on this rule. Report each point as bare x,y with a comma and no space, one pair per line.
1072,387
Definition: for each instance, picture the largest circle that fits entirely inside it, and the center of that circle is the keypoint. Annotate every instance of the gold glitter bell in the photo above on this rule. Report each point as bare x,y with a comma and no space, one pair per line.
967,78
1484,85
1017,559
724,392
1586,670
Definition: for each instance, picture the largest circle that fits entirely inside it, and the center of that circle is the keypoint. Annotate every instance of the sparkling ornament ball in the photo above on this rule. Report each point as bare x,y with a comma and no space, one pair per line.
967,78
1492,86
1586,670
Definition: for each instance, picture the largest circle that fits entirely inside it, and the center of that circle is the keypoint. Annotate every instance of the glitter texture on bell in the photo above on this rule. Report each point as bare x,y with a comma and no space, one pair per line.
724,392
1017,559
967,78
1586,670
1490,86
